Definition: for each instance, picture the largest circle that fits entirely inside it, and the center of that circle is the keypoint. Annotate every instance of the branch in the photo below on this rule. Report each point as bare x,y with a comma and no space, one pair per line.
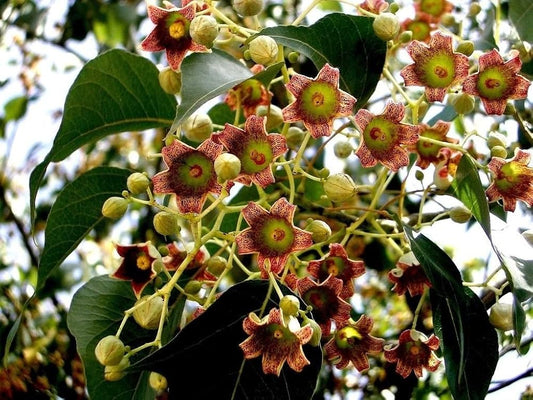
523,375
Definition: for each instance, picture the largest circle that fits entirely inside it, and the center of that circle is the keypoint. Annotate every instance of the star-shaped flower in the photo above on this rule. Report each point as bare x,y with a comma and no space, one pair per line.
352,342
249,94
434,8
413,353
272,235
409,276
421,27
276,342
512,180
171,33
137,265
256,149
428,153
497,81
337,263
190,174
436,66
325,300
318,101
382,136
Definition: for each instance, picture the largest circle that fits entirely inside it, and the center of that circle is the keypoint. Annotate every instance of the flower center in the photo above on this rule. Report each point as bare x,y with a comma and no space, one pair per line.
143,262
414,350
194,173
177,30
492,83
380,134
346,337
420,30
319,102
278,334
257,155
250,91
432,7
439,71
276,236
427,149
509,176
333,266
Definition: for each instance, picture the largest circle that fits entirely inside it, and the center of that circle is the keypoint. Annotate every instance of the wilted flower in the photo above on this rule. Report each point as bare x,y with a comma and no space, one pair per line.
429,152
409,276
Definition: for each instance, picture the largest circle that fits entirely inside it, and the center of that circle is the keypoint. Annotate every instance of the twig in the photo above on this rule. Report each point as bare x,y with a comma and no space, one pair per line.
523,375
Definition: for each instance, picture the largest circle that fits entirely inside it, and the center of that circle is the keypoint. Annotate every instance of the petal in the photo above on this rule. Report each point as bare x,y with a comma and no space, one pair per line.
410,76
282,208
210,149
364,324
254,213
329,75
175,56
292,113
490,59
157,14
365,156
461,67
273,362
408,134
346,103
263,178
520,88
152,42
304,334
255,125
278,143
435,94
246,242
363,118
417,50
302,240
394,111
433,342
470,85
494,107
277,263
440,42
297,84
396,158
251,347
360,361
319,130
297,360
522,156
191,204
337,250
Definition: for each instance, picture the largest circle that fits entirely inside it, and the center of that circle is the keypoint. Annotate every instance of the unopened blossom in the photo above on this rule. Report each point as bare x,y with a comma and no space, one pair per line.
421,27
383,135
428,153
137,265
190,175
337,264
272,235
409,276
249,95
434,8
277,343
446,167
512,180
436,66
256,150
318,101
351,342
171,33
497,81
325,300
414,352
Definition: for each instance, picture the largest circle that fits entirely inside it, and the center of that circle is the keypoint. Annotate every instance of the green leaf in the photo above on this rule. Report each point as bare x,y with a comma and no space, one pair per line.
519,322
207,350
520,274
485,41
467,187
115,92
344,41
15,108
96,311
447,114
77,210
205,76
520,15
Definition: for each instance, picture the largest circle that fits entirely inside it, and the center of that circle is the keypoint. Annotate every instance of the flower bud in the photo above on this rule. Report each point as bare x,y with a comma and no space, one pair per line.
448,20
501,316
204,30
294,137
406,36
192,287
198,127
289,305
498,151
394,7
460,214
273,114
528,235
248,8
462,103
170,80
474,9
496,139
343,149
317,331
114,207
157,382
166,223
109,350
216,265
114,373
293,57
339,187
466,47
386,26
319,230
138,183
227,166
147,313
419,175
263,50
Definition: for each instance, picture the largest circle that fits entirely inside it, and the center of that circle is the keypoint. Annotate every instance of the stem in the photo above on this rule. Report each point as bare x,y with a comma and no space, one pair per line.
419,308
304,13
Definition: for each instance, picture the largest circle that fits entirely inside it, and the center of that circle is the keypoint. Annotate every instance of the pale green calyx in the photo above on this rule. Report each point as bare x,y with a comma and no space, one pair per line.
114,373
198,127
109,350
204,30
138,183
263,50
170,80
227,166
114,207
248,8
501,316
339,187
147,312
386,26
319,230
166,223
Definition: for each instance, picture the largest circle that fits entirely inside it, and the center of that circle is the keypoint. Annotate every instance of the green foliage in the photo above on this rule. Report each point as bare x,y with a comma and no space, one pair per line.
519,14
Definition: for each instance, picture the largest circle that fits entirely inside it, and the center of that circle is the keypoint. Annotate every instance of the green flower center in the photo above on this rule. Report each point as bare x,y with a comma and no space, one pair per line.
195,171
250,91
280,334
509,176
427,149
432,7
439,71
178,26
319,102
380,134
492,83
345,337
333,266
257,155
277,236
420,30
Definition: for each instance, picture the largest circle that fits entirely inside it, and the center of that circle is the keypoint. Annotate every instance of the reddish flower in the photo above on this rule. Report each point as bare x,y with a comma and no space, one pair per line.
513,180
272,235
382,136
351,342
435,66
421,27
446,167
409,275
374,6
175,257
497,81
276,342
324,299
429,152
137,265
434,8
318,101
190,174
171,33
256,149
249,94
413,352
337,263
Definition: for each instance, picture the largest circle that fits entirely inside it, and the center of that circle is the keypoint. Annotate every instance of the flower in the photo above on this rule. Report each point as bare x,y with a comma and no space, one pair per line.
249,94
272,235
382,136
513,180
351,342
256,150
435,66
429,152
421,27
409,275
277,343
198,264
413,352
137,265
497,81
374,6
446,167
337,263
434,8
324,299
318,101
171,33
190,174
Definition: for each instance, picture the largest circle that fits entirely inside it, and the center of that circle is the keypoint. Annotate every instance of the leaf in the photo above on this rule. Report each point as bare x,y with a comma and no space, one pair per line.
447,114
468,340
519,14
485,41
519,322
207,350
15,108
520,274
77,210
467,187
115,92
96,311
344,41
205,76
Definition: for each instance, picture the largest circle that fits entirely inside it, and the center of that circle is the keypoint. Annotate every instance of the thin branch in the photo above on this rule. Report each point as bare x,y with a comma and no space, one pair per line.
523,375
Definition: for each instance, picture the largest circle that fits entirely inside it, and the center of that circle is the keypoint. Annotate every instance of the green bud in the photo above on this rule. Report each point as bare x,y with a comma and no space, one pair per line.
406,36
248,8
448,20
496,139
294,137
339,187
498,151
273,114
509,109
109,350
474,9
147,313
138,183
263,50
114,207
166,223
343,149
394,7
293,57
289,305
462,103
157,382
501,316
460,214
466,47
204,30
319,230
170,80
114,373
192,287
419,175
216,265
317,331
198,127
386,26
227,167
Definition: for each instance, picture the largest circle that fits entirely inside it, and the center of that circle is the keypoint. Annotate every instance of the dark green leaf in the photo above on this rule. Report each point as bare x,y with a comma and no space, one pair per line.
77,210
344,41
519,322
115,92
520,14
266,76
207,351
15,108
